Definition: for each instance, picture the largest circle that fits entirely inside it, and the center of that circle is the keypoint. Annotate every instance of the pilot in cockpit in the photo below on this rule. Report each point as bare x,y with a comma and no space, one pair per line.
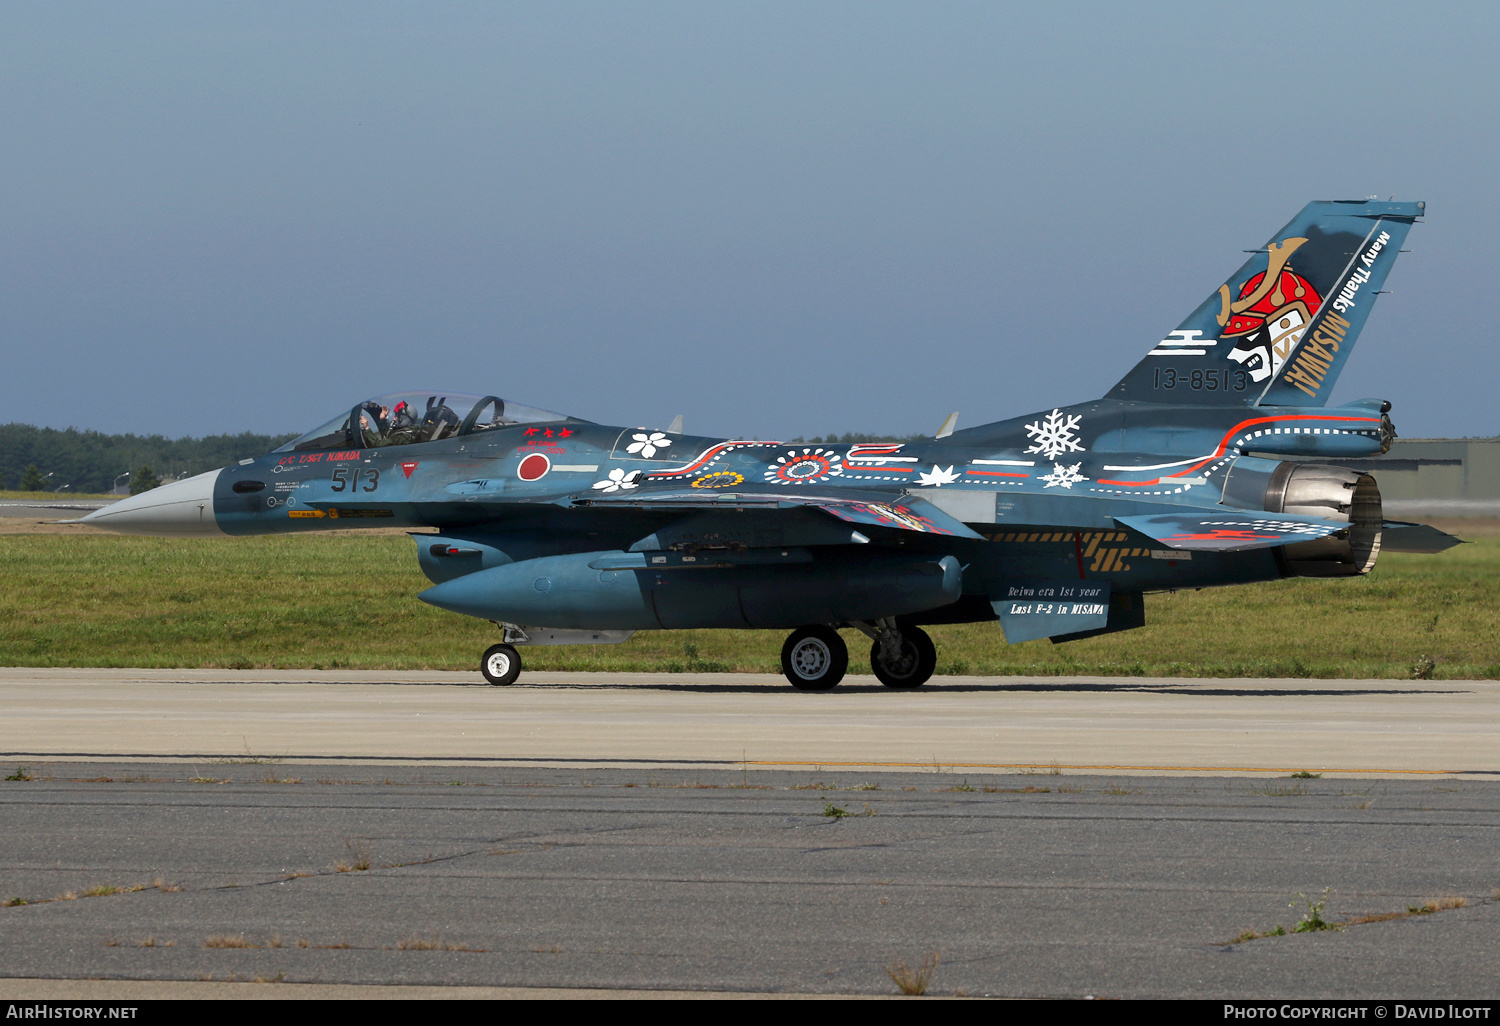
373,423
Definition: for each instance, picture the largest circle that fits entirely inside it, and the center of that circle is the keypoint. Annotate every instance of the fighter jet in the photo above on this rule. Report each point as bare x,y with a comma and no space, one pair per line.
1205,466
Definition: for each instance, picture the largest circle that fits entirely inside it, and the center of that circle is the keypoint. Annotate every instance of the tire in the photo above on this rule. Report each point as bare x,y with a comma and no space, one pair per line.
814,658
914,668
501,665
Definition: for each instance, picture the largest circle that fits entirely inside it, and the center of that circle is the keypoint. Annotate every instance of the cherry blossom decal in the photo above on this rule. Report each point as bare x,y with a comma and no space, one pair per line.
619,480
646,443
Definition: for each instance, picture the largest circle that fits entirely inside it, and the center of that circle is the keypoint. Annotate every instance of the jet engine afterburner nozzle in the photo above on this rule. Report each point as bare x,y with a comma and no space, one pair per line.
1319,490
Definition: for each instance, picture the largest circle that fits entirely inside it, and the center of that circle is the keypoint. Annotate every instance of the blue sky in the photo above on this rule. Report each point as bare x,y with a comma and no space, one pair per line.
775,219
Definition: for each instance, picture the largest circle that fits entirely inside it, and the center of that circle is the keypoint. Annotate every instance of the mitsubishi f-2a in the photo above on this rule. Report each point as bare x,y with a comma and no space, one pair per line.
1205,466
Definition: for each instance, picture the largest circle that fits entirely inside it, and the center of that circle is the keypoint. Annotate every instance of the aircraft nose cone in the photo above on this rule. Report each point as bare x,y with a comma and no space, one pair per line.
180,509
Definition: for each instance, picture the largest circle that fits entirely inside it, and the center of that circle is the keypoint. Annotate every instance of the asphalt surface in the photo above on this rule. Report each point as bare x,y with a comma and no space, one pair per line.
1044,885
631,833
1354,728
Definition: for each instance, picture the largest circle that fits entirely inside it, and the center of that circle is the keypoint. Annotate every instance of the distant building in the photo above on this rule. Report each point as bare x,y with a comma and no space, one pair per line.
1438,476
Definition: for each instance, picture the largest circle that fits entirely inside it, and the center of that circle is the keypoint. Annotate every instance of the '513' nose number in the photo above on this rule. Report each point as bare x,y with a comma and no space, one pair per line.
349,477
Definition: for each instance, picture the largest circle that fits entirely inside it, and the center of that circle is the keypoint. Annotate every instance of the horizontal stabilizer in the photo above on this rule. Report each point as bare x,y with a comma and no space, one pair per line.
1399,536
1214,531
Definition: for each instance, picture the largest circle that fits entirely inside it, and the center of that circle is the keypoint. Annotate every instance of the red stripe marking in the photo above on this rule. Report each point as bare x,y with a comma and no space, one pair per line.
1224,443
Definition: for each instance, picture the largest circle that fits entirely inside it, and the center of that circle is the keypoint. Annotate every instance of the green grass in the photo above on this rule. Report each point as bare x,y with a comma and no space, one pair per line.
349,601
53,496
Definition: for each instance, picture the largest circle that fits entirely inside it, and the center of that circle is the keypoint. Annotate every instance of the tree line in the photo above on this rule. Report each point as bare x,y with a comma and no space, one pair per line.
46,459
34,459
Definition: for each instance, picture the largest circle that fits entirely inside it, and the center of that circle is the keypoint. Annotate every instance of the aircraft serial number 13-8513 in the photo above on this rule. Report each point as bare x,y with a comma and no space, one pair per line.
1056,524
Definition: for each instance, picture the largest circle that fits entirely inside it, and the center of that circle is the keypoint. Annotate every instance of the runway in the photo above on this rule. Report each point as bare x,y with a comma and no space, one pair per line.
977,724
195,833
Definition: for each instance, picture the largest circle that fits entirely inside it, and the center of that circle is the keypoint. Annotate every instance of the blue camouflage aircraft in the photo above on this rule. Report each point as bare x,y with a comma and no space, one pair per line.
1056,524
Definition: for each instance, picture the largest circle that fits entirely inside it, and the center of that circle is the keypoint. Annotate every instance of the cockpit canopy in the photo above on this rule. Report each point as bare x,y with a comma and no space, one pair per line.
405,418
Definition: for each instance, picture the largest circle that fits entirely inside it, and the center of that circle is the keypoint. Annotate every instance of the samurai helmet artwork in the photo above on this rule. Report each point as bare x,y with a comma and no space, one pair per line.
1271,314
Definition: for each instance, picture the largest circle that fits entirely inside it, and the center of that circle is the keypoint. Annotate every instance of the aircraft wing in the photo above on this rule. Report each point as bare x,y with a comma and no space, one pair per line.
902,512
1230,530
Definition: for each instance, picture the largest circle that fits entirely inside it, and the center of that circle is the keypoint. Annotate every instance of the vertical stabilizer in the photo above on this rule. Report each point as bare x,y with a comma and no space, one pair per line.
1279,330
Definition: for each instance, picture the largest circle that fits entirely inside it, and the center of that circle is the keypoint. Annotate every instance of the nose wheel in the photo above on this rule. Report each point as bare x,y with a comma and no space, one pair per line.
814,658
903,659
501,665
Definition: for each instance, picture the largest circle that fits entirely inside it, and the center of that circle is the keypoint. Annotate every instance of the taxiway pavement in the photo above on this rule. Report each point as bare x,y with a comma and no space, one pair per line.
1054,837
1357,728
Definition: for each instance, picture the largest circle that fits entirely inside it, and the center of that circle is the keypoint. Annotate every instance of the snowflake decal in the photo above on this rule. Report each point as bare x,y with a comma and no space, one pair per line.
1063,477
647,443
808,465
1054,435
618,480
938,477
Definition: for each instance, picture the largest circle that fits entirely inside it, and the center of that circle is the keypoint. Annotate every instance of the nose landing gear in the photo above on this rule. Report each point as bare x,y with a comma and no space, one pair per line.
501,664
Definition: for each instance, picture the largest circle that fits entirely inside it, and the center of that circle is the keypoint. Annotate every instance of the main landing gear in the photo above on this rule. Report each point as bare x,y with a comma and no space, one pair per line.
815,658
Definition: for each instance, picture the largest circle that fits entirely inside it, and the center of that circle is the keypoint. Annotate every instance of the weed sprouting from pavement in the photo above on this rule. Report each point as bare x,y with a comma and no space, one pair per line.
360,858
1445,903
833,811
911,980
1052,769
1312,920
1304,775
21,773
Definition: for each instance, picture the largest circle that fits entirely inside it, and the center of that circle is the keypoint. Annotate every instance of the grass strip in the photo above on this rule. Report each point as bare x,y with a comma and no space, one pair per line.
348,600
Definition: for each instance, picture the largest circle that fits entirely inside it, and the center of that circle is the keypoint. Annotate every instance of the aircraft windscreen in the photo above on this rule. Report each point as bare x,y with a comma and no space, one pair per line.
405,418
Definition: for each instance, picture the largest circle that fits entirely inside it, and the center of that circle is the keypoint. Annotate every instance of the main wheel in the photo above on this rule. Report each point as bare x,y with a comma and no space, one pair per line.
814,658
914,665
501,665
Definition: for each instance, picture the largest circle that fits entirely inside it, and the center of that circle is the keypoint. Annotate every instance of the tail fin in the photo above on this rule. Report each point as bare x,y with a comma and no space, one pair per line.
1278,332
